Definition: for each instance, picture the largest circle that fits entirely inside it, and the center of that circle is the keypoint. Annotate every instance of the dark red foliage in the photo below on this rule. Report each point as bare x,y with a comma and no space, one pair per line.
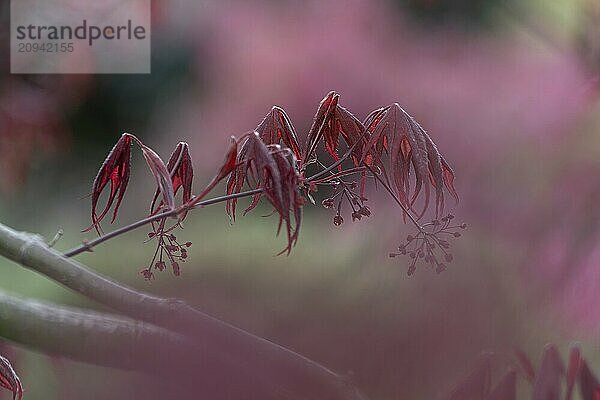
230,161
292,201
9,379
227,167
332,121
272,165
268,167
276,128
393,131
115,169
258,168
181,169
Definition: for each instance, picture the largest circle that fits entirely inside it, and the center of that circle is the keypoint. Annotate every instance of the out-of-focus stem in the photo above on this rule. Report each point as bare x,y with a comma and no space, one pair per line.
83,335
114,341
293,374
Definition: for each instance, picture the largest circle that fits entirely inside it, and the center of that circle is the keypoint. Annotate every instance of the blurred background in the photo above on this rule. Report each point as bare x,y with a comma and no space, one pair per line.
507,89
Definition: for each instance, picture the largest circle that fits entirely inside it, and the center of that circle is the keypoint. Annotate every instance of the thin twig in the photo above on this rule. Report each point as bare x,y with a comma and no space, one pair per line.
396,199
89,245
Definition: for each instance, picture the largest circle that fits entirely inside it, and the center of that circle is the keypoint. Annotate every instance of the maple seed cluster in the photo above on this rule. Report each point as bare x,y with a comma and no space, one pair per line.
344,192
430,245
169,249
340,153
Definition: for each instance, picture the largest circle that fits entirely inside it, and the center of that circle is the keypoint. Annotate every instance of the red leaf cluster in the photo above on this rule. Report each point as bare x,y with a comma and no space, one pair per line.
181,170
115,169
390,145
393,131
332,121
271,168
276,128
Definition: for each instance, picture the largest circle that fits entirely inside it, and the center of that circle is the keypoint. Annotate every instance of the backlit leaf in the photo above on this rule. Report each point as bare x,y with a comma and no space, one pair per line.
115,169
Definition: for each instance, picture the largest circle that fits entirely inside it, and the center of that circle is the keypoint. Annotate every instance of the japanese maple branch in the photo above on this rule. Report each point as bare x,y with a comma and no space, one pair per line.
88,245
291,373
396,199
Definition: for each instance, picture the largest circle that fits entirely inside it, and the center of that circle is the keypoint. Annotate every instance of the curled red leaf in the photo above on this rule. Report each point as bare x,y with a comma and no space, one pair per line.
9,379
276,128
332,121
161,175
230,161
291,200
394,132
228,167
115,169
181,169
270,168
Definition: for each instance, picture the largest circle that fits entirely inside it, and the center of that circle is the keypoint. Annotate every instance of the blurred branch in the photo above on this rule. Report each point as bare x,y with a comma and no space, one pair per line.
86,336
292,375
118,342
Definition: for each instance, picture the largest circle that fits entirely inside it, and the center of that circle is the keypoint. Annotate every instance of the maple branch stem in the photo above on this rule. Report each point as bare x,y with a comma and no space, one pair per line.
334,165
89,245
396,199
271,364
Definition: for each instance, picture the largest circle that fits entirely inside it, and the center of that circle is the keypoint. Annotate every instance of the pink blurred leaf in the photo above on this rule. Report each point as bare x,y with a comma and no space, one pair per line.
588,383
547,384
526,365
572,371
476,386
506,389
